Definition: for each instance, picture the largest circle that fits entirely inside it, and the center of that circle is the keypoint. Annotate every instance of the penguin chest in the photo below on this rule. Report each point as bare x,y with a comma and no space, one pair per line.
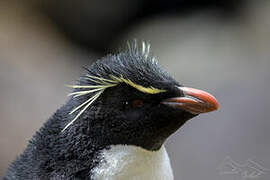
126,162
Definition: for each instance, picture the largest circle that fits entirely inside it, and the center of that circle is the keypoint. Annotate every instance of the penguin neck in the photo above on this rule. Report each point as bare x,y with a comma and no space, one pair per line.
74,151
132,162
80,152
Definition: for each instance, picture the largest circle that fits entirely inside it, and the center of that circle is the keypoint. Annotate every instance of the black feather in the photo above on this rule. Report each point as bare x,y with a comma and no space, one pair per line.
111,119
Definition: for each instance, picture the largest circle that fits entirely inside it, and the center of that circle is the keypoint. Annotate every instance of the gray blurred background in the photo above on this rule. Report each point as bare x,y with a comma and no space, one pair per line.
222,46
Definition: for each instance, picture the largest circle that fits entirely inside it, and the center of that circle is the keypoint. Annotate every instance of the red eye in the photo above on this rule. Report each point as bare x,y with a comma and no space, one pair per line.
137,103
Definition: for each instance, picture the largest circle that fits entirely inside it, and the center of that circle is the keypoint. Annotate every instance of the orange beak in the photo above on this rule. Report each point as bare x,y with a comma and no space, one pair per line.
194,101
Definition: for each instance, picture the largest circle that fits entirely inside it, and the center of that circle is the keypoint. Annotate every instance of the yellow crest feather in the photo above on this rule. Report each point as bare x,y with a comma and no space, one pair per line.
102,83
148,90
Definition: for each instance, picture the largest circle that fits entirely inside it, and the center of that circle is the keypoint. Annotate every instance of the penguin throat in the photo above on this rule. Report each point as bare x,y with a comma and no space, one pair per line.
131,162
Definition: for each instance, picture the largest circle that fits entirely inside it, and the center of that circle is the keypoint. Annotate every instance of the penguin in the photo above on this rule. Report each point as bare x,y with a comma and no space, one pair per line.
115,123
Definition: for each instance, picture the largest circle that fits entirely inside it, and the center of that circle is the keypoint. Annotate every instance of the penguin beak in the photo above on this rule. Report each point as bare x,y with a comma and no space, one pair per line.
194,101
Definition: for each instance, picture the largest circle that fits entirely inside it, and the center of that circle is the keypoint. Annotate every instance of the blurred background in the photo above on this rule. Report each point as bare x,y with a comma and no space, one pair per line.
221,46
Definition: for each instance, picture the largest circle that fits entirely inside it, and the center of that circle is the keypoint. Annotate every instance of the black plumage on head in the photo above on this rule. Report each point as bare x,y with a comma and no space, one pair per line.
118,101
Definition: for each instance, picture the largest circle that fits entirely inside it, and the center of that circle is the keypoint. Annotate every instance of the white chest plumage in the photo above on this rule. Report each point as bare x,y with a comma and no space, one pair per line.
125,162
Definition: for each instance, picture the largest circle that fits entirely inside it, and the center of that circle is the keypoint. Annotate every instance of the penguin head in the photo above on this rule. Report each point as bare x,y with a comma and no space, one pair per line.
129,99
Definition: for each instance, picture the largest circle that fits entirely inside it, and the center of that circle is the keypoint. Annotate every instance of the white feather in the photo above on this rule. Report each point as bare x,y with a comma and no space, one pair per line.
126,162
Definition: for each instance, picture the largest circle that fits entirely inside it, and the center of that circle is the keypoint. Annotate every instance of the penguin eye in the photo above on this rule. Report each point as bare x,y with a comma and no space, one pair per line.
137,103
